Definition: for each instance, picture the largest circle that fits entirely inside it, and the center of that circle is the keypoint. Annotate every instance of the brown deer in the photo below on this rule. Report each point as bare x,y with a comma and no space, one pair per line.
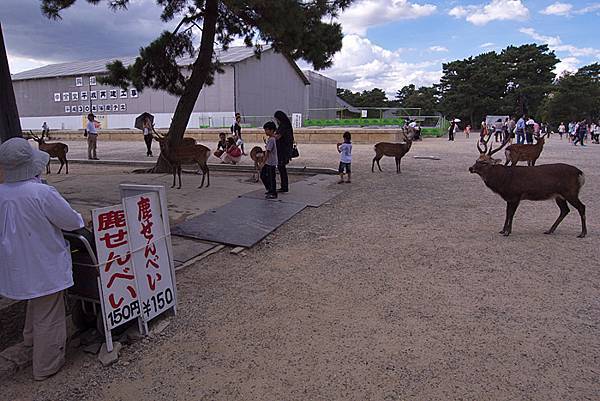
257,154
55,149
524,152
188,151
560,182
396,150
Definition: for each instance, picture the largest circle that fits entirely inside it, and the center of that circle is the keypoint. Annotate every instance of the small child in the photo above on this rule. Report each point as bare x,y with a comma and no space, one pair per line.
267,173
221,145
345,151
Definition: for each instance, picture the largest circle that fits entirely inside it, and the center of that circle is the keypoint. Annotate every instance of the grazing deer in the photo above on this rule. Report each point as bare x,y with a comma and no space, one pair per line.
188,151
524,152
257,154
396,150
560,182
55,149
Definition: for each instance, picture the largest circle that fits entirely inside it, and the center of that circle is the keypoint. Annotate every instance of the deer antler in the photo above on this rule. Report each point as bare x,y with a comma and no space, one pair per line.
485,142
491,152
34,136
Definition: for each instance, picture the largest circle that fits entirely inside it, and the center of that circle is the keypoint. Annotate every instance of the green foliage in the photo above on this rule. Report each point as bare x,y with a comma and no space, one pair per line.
573,97
374,98
512,82
425,98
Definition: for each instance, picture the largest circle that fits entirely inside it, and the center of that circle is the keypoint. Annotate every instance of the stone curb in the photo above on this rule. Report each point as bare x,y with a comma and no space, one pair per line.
213,167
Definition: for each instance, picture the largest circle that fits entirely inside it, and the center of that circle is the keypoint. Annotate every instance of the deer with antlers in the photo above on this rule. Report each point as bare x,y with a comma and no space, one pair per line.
55,149
525,152
188,151
561,182
395,150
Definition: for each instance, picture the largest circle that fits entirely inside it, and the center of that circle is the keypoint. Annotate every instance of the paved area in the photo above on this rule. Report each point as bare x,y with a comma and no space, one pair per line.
398,289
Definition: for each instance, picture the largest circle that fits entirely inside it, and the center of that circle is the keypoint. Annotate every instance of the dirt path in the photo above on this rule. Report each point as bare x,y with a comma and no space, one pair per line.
401,288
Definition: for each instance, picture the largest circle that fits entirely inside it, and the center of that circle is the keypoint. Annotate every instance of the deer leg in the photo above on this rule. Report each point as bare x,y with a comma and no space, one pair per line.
174,174
373,164
67,165
203,175
61,166
511,208
48,167
564,211
179,175
581,209
398,165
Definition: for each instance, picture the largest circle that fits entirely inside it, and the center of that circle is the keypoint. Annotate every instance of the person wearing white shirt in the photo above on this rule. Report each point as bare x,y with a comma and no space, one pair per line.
92,136
35,259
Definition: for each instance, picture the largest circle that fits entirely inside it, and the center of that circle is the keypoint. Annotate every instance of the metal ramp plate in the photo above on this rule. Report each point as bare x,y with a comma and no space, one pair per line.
312,192
242,222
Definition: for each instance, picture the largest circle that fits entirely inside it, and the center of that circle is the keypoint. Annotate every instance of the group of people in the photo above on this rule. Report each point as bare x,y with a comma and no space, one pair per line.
525,129
577,132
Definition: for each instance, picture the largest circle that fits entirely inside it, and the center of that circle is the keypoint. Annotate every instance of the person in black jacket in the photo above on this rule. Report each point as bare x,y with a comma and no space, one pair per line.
285,144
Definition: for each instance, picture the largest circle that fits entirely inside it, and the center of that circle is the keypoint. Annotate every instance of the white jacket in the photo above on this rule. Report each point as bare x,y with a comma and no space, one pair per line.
35,259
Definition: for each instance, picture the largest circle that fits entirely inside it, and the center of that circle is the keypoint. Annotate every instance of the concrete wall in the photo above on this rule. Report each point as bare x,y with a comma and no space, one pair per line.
267,85
322,95
253,135
36,104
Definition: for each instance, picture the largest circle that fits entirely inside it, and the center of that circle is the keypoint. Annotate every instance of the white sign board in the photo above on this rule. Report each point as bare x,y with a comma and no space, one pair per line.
363,113
296,120
150,254
119,292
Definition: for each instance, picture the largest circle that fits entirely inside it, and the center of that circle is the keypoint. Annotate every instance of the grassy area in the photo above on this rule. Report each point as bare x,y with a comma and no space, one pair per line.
354,122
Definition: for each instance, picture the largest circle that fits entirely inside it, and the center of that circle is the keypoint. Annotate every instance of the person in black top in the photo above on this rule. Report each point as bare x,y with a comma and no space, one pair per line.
285,144
236,131
221,145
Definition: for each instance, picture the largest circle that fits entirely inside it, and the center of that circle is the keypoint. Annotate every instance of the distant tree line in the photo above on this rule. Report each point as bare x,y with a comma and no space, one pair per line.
517,80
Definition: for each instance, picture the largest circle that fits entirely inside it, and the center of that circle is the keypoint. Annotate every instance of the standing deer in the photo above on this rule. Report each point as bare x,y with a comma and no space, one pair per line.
257,154
524,152
188,151
55,149
396,150
560,182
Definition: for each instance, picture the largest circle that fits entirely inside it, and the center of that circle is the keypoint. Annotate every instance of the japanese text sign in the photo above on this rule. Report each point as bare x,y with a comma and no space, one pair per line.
149,254
119,288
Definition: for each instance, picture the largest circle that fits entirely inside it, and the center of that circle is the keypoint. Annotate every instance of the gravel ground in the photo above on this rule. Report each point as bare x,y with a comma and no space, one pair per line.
400,288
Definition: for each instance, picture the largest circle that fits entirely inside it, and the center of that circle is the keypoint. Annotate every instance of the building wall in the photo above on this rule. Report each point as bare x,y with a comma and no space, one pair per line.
322,95
267,85
36,104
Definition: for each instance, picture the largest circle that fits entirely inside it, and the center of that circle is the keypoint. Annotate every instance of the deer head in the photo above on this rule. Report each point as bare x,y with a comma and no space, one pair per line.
35,137
485,159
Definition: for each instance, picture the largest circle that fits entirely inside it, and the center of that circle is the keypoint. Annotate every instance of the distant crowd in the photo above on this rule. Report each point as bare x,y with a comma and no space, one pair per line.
525,129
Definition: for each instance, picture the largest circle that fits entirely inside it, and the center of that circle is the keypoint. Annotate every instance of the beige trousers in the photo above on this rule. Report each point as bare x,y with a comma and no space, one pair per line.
46,330
92,139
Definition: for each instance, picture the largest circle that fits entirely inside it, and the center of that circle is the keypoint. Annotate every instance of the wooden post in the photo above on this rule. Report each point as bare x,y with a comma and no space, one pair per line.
10,126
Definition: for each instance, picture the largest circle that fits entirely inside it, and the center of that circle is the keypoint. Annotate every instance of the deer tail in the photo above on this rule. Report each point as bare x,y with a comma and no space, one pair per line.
581,179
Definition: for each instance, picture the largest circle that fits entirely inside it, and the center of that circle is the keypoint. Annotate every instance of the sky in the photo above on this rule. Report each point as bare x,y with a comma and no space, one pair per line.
387,43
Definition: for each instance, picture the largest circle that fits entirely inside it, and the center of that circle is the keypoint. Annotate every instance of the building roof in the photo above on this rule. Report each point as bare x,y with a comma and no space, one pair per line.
232,55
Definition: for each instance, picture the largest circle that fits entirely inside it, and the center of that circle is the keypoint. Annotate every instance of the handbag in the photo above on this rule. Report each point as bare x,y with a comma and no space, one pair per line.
85,133
295,152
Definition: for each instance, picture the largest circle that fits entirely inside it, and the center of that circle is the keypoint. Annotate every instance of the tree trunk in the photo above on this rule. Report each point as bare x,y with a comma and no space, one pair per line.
10,126
200,71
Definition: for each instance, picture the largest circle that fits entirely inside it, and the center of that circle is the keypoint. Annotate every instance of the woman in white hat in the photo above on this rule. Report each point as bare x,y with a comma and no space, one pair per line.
35,259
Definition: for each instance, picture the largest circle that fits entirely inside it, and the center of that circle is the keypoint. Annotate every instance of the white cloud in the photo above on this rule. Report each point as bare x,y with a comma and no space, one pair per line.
487,45
496,10
567,64
438,49
368,13
558,8
18,64
363,65
589,9
555,43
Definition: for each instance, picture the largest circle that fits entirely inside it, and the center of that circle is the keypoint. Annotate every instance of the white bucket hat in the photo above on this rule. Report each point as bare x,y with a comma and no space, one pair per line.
19,161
